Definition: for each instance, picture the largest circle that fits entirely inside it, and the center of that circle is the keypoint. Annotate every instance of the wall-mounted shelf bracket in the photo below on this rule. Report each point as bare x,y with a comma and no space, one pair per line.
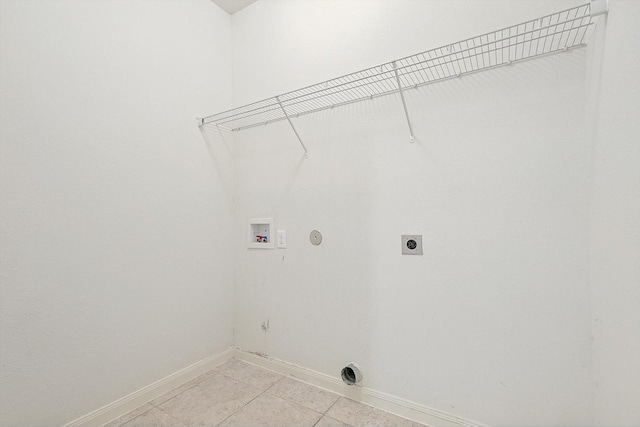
404,104
598,7
306,153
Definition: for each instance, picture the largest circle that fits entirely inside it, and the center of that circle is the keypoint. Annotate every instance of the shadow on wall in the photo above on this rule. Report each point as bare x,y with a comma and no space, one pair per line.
219,142
496,184
310,294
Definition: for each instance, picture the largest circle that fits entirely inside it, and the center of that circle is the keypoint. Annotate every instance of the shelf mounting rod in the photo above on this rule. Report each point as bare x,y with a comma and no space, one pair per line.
404,104
306,153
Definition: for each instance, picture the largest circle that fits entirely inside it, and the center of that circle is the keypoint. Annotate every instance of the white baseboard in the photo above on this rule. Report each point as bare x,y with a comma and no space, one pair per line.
377,399
395,405
140,397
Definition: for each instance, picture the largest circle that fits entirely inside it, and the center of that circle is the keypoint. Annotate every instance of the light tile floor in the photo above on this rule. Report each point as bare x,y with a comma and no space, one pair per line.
244,395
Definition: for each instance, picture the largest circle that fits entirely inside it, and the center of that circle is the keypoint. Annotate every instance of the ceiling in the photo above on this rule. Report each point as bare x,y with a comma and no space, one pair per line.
232,6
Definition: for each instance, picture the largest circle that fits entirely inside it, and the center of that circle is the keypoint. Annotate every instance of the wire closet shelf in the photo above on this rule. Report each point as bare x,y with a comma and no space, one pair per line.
549,34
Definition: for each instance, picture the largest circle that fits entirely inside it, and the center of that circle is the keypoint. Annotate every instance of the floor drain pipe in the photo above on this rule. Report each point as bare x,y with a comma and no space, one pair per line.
351,374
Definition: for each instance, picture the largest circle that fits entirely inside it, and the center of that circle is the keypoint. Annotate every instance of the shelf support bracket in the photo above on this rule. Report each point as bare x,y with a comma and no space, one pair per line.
598,7
404,104
306,153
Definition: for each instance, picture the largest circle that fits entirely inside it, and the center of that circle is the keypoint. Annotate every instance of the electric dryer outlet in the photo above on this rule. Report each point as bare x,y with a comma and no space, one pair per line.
411,244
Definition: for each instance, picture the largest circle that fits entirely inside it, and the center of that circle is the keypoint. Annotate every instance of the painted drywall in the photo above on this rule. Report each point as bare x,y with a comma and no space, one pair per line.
115,209
306,42
493,323
114,212
615,210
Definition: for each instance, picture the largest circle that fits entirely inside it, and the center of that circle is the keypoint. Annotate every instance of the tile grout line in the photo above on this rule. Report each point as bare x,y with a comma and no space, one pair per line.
266,391
152,408
188,388
172,397
251,385
177,419
299,404
327,411
129,420
261,393
258,366
322,414
240,408
332,405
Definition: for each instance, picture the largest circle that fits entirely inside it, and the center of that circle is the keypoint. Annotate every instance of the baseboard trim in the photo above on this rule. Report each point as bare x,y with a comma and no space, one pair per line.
138,398
395,405
387,402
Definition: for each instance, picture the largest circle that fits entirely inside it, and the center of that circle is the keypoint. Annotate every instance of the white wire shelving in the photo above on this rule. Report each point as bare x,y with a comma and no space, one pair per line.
560,31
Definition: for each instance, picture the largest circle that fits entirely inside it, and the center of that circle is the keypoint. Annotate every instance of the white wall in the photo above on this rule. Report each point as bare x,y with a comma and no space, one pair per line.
615,213
114,211
493,323
306,42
